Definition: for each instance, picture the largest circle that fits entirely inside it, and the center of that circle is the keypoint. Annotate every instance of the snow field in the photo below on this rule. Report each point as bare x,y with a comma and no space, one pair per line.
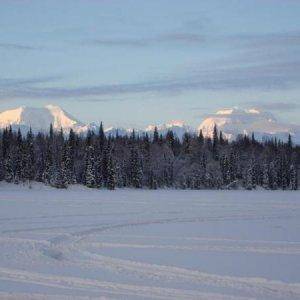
138,244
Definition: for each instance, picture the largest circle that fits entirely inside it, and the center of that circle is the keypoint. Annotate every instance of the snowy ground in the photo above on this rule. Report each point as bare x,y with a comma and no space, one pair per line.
132,244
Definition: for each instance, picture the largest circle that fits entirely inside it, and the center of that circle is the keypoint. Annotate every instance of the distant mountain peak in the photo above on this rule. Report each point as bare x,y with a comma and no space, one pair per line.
235,121
38,118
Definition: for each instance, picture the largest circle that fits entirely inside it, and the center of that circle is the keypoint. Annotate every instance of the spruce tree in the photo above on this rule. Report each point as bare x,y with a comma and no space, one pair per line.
253,141
155,135
293,178
66,171
8,167
273,176
215,136
90,178
49,166
19,154
104,165
186,144
266,178
40,167
111,174
136,173
201,138
249,177
170,139
232,167
221,138
101,137
290,142
29,159
69,158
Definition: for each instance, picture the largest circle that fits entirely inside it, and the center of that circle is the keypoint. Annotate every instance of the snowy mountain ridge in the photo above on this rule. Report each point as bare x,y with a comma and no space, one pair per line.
178,127
39,119
235,121
232,122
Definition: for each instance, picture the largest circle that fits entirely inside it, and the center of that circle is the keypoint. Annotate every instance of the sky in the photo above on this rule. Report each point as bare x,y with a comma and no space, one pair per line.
140,62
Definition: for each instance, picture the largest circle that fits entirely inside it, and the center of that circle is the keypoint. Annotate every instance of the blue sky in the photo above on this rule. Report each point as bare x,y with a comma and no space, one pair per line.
135,62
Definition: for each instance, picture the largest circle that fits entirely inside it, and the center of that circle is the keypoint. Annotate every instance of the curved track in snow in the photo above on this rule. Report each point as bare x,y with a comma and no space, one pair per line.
142,245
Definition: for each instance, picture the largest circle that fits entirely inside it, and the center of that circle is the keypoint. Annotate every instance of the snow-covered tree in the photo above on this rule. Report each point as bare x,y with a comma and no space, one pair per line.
136,172
194,162
249,177
266,176
111,174
8,168
293,177
90,174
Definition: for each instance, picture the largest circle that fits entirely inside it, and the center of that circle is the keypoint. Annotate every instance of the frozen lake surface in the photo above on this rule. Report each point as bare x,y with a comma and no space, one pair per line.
140,244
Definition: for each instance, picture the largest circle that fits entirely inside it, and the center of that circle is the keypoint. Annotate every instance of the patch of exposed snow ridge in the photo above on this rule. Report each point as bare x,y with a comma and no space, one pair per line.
178,127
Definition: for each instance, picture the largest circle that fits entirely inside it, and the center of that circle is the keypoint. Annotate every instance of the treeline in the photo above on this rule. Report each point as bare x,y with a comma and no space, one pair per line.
155,161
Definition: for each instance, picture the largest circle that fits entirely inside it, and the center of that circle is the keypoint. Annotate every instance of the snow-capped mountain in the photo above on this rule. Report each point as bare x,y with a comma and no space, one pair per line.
114,131
234,121
179,128
39,119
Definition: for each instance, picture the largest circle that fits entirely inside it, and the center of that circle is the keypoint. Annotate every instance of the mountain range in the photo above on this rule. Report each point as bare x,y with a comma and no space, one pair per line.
232,122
